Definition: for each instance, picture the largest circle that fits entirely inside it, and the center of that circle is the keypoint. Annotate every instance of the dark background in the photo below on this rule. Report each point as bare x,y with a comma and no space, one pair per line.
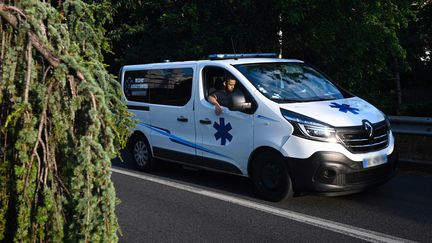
369,47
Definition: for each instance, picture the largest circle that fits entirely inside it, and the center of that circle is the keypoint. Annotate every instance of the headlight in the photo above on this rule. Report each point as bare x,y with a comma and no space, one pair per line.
310,128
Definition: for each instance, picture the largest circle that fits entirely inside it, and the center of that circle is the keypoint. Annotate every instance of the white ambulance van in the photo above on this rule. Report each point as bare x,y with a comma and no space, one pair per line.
288,127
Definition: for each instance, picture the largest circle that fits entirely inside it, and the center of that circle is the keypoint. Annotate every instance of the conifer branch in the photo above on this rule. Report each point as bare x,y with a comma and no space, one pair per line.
53,60
93,100
63,130
72,85
37,44
29,70
40,129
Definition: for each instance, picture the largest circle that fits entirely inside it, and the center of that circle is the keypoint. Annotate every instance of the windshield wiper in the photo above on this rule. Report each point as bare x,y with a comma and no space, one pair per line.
324,99
278,100
285,100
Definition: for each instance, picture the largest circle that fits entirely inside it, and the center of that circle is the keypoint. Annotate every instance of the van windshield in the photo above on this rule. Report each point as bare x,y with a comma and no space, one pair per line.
286,82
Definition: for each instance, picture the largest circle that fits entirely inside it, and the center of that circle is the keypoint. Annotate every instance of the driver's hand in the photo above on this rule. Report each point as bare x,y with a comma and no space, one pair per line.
218,110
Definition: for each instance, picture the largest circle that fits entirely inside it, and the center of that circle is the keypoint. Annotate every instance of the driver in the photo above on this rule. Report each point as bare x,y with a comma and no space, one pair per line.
221,97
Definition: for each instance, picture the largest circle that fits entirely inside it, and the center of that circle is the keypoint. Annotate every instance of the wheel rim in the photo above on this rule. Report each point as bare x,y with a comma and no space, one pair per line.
271,175
141,153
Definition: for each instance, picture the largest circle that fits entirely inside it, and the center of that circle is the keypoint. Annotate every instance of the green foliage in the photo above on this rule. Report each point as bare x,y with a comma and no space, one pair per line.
60,124
354,41
417,40
357,43
183,30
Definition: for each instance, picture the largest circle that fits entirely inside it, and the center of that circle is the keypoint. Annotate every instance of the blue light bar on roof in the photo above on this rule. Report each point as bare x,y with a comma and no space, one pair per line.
243,55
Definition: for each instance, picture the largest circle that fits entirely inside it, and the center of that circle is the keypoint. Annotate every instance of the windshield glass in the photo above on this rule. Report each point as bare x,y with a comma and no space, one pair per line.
290,82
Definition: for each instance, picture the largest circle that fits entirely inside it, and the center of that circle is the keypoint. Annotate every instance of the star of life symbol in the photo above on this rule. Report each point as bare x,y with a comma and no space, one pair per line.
344,108
222,131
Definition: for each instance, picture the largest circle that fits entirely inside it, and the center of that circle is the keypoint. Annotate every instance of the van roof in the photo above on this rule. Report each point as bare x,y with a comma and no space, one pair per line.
232,61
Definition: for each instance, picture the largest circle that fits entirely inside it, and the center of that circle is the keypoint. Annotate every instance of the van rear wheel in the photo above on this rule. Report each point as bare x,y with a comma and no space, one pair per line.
271,177
142,154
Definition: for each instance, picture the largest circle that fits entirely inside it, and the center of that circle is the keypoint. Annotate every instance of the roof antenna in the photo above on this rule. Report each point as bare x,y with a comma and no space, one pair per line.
232,44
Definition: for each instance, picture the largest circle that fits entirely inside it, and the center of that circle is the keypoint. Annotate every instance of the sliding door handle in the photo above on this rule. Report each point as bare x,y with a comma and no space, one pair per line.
182,119
206,121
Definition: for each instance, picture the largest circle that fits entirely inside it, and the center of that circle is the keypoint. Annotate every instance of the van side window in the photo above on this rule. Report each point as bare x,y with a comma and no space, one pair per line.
135,88
159,86
213,78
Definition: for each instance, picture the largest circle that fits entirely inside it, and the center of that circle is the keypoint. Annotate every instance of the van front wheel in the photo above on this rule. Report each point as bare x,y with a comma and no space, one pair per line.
142,154
271,177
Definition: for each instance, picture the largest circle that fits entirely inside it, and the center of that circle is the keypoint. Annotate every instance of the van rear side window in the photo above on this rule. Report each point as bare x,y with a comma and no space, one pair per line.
159,86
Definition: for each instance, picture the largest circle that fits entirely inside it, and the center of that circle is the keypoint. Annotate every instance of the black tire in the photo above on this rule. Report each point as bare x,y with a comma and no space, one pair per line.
271,177
141,153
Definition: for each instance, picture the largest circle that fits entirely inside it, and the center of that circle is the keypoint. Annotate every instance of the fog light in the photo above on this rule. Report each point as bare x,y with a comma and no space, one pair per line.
329,174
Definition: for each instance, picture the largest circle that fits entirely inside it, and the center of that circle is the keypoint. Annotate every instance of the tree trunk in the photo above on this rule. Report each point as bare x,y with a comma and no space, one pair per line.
397,83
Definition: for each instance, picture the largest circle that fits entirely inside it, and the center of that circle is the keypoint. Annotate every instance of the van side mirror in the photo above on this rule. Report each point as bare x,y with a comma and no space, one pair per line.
238,101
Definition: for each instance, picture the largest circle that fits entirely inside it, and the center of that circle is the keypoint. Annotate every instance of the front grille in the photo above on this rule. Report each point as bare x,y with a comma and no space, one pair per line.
357,139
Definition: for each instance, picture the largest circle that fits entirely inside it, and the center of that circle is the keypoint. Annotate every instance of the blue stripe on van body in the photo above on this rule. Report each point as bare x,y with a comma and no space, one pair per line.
181,141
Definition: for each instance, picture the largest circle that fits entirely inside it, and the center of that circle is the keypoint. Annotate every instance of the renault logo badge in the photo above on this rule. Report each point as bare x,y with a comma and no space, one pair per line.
368,128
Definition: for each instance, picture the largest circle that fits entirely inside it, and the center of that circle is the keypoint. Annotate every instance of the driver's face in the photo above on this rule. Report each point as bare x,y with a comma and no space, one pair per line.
230,85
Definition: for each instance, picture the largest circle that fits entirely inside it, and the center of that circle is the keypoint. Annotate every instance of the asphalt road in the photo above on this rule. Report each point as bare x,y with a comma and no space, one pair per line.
153,212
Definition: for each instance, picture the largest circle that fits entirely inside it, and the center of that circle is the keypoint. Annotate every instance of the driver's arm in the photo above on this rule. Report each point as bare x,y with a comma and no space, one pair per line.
213,100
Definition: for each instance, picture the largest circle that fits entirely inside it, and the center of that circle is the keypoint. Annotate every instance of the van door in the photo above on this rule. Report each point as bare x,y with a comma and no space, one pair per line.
226,140
171,112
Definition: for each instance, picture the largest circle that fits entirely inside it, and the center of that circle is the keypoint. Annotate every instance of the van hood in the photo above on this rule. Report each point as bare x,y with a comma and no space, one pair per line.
338,113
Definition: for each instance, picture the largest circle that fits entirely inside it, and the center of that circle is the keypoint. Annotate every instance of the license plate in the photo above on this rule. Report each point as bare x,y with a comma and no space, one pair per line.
374,161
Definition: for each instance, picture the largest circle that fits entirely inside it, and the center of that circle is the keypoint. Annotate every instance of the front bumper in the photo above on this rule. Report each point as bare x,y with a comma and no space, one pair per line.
332,173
